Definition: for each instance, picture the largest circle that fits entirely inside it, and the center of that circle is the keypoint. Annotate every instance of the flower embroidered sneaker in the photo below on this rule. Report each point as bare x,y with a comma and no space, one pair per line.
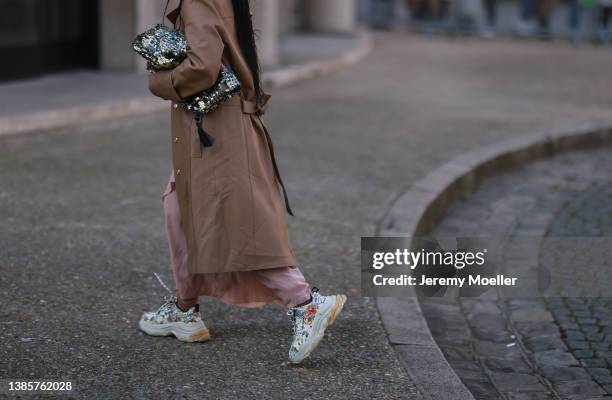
310,322
169,319
186,326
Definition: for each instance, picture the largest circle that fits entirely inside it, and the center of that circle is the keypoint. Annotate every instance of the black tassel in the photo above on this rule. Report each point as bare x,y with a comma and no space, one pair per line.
205,138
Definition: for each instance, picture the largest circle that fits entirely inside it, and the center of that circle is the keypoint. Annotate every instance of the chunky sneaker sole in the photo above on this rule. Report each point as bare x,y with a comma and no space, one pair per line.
185,332
325,317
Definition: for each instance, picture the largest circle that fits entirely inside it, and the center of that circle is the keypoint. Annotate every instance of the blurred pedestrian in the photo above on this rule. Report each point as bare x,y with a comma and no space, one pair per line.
225,219
605,14
575,8
490,20
538,10
429,12
524,23
545,9
602,10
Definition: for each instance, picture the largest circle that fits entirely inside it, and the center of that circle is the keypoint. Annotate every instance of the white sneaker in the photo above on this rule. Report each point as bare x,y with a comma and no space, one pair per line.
310,322
186,326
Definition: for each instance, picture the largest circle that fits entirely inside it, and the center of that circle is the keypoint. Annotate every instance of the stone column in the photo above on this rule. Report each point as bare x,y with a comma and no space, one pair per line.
291,17
148,14
334,16
120,22
116,35
266,19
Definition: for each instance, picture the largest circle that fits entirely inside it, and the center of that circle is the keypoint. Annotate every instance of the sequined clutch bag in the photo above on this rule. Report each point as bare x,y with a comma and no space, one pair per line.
224,89
164,48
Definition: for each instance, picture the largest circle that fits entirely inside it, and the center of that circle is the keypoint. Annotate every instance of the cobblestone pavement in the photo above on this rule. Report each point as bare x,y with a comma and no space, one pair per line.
521,345
81,228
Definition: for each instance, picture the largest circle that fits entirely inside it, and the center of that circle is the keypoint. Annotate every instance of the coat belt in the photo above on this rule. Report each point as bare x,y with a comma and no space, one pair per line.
258,109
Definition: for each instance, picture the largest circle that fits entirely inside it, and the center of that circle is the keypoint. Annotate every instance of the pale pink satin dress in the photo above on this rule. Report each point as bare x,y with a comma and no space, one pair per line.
284,286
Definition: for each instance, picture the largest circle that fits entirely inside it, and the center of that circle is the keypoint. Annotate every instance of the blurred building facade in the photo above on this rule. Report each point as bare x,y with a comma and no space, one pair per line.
46,36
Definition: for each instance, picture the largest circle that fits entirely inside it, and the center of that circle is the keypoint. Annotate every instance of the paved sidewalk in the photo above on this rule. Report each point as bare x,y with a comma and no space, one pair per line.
61,100
70,89
508,345
81,229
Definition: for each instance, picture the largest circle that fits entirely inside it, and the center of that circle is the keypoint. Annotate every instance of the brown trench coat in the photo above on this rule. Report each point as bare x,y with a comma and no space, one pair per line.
231,209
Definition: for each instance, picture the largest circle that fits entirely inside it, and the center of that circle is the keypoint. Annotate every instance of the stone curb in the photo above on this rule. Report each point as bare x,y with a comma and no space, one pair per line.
416,211
281,77
293,74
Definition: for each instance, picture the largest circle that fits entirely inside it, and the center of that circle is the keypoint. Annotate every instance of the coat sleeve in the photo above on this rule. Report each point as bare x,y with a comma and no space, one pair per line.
200,69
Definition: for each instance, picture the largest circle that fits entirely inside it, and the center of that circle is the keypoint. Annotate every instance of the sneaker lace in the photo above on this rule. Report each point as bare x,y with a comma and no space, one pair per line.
169,298
316,296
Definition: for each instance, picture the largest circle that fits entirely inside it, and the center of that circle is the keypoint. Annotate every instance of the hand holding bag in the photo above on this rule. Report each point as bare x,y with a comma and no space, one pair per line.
164,48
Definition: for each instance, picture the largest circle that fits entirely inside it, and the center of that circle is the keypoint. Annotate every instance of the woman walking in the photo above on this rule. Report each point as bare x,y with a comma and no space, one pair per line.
225,218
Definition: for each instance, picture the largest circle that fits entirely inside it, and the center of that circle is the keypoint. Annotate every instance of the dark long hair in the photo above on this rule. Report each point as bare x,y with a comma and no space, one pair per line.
246,39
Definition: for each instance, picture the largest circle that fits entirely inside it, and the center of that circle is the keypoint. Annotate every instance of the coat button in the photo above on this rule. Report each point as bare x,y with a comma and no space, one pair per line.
178,172
176,140
175,106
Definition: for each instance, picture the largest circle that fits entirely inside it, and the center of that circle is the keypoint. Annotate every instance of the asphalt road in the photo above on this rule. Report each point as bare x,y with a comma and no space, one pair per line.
81,228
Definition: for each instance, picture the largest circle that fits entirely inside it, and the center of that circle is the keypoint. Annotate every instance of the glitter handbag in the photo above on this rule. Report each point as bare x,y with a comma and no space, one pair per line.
164,48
